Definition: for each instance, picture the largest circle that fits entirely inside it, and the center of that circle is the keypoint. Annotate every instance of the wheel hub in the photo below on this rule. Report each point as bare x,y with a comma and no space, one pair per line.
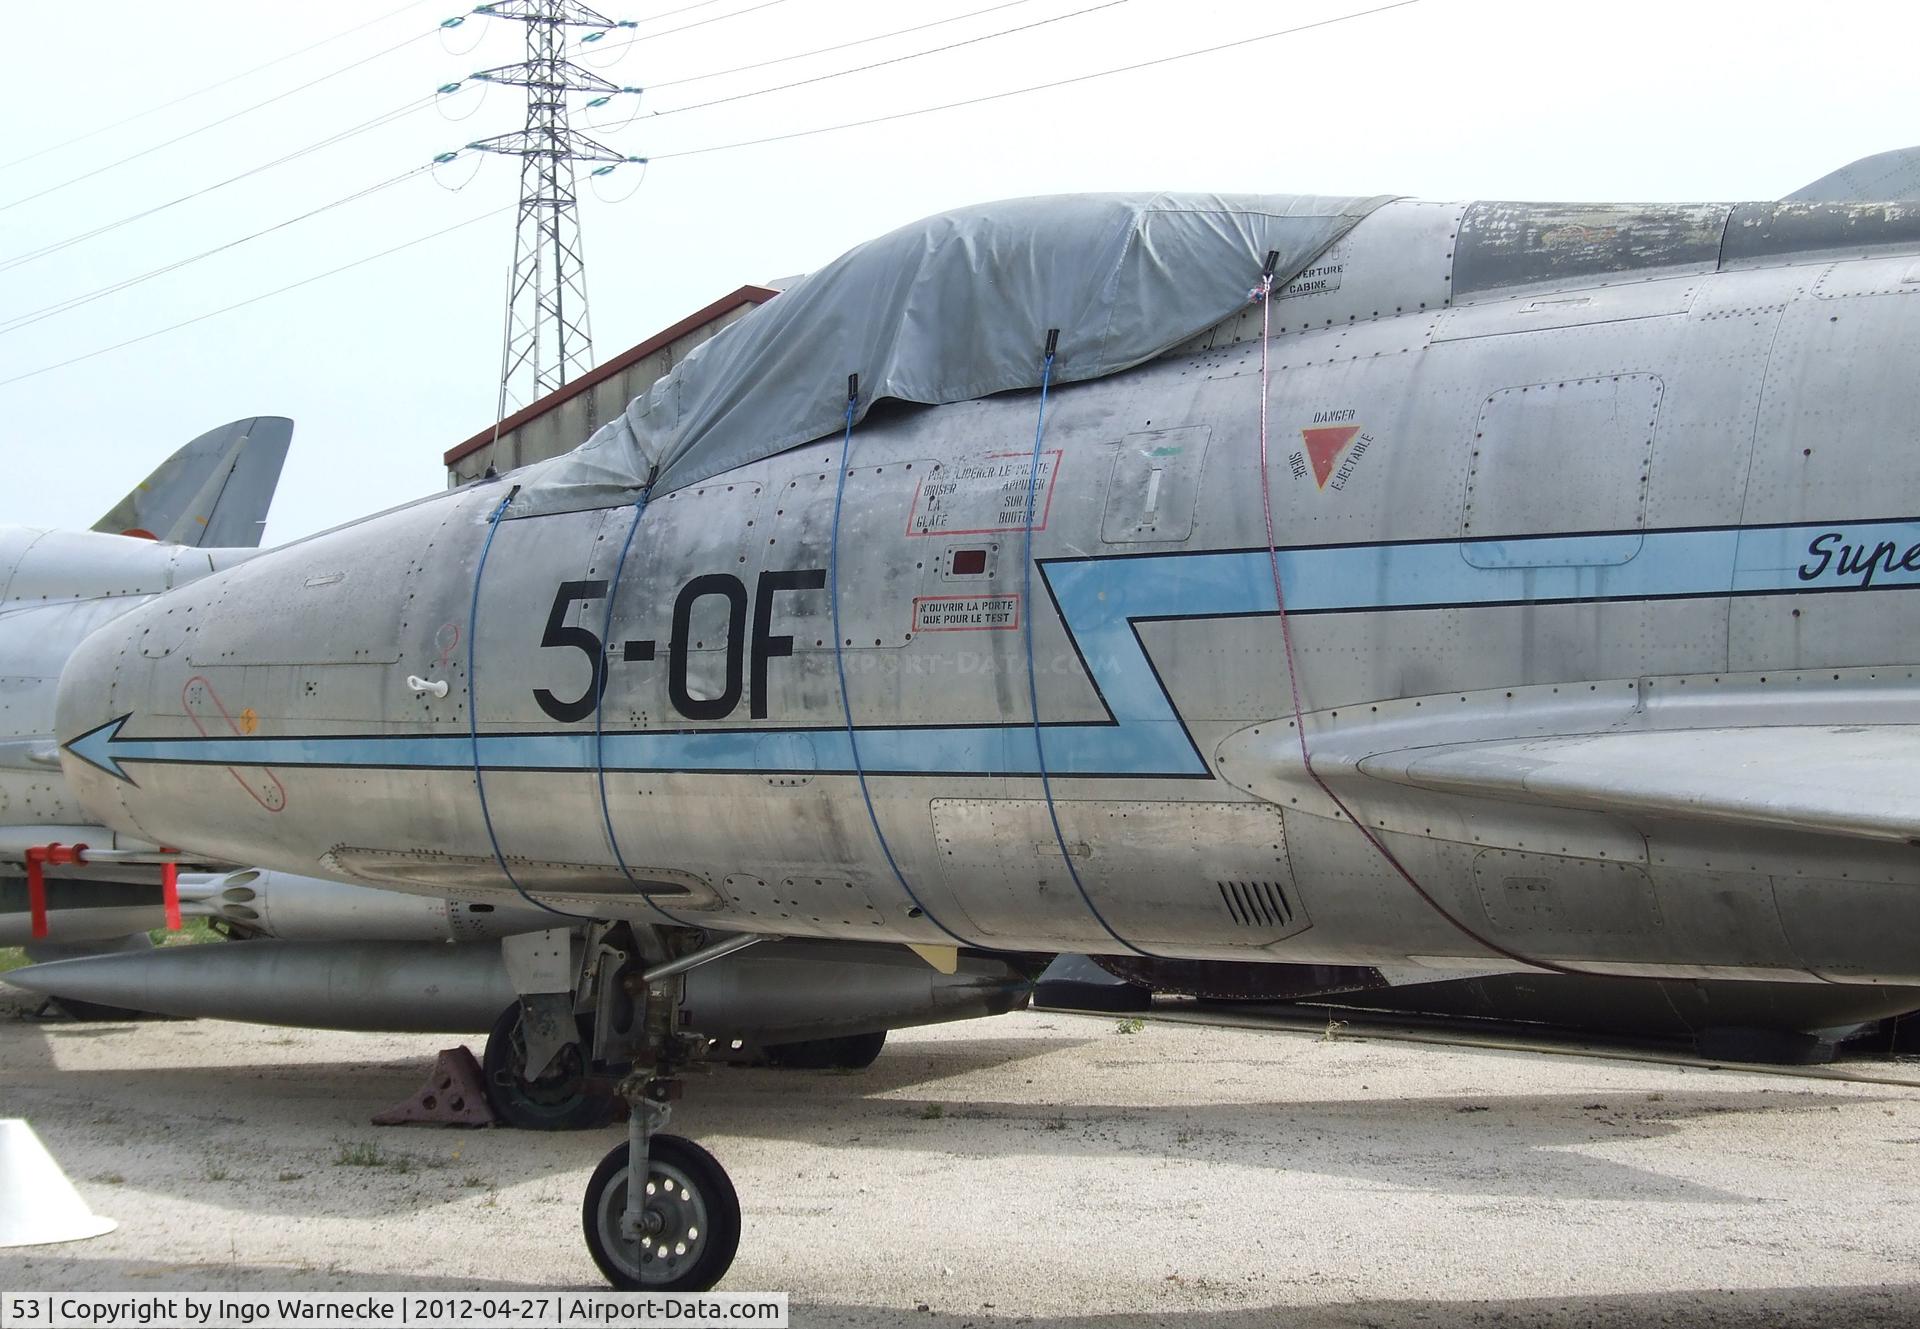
556,1086
672,1229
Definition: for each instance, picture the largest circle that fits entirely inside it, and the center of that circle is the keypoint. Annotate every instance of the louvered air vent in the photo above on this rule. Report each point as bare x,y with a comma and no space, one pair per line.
1256,904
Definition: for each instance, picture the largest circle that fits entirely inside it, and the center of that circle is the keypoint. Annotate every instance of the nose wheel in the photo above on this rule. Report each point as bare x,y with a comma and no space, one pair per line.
678,1234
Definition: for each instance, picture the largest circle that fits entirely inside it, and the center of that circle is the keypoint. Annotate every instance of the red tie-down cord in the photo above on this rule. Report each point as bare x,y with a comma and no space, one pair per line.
75,855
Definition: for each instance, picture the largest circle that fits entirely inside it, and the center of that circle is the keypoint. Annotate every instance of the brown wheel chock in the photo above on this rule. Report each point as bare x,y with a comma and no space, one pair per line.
454,1095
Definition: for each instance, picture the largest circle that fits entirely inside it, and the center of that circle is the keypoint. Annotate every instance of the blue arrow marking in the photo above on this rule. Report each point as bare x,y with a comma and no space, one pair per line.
93,747
1100,600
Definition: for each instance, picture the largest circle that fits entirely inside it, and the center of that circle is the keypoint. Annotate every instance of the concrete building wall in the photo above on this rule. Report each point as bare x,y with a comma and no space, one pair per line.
562,420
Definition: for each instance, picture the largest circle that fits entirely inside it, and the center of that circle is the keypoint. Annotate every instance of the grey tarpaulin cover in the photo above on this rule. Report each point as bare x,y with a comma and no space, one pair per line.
953,307
1885,177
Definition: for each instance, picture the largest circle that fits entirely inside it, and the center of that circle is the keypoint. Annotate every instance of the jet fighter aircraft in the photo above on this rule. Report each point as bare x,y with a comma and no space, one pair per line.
1348,582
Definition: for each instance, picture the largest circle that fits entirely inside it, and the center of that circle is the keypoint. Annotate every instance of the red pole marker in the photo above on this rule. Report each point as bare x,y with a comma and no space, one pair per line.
170,894
37,894
37,858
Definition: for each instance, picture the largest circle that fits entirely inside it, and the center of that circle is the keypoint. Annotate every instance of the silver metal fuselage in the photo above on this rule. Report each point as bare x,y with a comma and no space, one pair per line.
1583,568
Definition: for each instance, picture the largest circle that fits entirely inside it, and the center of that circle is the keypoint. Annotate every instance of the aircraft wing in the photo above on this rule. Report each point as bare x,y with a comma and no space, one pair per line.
1852,780
1885,177
212,493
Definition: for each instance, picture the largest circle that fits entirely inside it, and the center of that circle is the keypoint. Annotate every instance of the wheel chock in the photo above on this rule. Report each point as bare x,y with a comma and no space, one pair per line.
454,1095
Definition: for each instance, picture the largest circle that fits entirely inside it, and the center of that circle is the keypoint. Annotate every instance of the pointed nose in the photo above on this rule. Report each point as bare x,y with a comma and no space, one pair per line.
91,706
160,711
239,717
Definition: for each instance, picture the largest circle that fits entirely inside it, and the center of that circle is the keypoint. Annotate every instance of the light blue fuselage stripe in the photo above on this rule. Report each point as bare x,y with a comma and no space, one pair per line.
1099,598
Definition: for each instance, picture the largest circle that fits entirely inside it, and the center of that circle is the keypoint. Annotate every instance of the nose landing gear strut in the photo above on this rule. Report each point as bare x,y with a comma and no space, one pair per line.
660,1212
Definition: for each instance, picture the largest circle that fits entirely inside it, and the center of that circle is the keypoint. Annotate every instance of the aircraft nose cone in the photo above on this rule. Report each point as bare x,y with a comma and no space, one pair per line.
94,680
139,723
146,736
216,718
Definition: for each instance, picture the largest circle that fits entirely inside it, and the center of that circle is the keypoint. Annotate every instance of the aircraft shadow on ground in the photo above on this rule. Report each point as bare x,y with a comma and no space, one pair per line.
1494,1146
1842,1307
1852,1307
186,1126
276,1137
210,1276
25,1044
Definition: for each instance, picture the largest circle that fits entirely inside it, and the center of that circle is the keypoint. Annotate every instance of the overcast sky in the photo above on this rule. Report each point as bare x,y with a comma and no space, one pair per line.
386,365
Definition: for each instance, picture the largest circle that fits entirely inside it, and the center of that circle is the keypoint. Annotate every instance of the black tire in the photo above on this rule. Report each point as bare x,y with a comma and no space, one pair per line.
699,1216
566,1098
854,1052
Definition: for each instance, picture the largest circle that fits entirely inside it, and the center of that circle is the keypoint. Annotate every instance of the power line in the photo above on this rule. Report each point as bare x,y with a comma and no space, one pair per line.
1035,87
376,122
408,108
745,143
200,92
684,9
181,138
838,46
891,60
251,300
685,27
14,324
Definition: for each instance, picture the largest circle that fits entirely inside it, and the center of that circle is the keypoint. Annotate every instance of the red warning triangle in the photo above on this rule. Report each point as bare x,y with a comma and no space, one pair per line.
1324,446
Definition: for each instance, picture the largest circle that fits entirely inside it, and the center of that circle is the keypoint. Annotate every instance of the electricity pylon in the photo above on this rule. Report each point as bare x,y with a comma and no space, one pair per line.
547,338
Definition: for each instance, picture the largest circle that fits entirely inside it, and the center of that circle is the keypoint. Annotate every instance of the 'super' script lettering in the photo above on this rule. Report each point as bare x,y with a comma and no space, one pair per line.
1831,554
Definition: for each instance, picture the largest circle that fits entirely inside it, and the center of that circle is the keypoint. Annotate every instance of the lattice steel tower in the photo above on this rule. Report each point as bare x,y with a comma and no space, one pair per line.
547,338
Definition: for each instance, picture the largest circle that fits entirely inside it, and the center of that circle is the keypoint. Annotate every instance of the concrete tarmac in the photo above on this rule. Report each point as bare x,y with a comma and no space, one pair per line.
1038,1168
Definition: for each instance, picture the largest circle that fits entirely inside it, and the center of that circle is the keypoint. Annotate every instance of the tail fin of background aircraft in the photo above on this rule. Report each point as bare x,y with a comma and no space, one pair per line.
214,492
1885,177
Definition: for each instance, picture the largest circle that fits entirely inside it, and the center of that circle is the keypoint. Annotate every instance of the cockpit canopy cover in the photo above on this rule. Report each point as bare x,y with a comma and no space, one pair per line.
949,308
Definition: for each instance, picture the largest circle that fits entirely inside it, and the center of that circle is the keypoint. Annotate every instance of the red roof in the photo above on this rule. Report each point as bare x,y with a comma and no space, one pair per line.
726,304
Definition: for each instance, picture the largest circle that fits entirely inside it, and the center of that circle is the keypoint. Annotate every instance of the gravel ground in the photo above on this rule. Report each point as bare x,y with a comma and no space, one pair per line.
1037,1168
